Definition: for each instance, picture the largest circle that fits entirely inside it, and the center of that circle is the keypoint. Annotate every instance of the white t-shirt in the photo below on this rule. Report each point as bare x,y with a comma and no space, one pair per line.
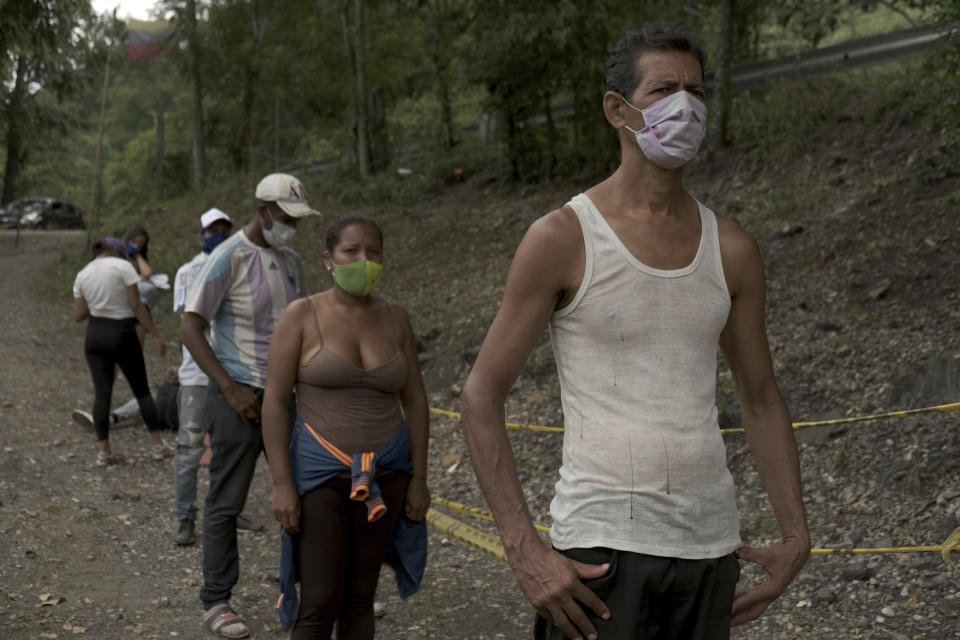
103,284
190,372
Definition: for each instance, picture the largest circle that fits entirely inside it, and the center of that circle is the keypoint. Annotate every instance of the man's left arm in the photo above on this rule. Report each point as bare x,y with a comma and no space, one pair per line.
766,423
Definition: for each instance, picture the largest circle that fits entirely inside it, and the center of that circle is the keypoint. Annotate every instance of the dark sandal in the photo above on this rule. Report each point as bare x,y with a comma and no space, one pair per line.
223,622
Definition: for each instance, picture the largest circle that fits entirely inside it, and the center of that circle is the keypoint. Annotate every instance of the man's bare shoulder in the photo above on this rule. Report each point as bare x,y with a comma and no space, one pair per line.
735,242
557,230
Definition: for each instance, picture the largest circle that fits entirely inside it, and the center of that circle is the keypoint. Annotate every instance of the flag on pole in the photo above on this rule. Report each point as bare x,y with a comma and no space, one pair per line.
151,40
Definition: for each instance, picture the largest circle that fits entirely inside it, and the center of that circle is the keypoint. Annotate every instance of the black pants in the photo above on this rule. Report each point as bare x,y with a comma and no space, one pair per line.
110,343
340,556
654,598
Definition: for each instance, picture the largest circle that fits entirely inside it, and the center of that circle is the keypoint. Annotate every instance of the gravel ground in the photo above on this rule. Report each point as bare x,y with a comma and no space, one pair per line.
863,317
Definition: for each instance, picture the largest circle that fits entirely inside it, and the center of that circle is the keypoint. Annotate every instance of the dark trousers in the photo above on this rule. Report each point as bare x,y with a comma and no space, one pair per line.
340,554
654,598
236,444
110,343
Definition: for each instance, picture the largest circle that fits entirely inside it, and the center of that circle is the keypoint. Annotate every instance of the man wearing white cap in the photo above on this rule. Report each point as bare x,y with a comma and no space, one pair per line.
240,293
215,226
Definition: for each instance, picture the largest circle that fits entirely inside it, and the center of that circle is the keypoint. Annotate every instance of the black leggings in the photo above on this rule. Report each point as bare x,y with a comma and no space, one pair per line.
110,343
340,557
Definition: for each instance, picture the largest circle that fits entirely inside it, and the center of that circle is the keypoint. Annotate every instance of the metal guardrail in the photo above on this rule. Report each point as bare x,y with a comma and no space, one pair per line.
851,54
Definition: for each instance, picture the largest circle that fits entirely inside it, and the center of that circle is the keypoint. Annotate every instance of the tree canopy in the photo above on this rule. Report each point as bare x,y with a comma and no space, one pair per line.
261,85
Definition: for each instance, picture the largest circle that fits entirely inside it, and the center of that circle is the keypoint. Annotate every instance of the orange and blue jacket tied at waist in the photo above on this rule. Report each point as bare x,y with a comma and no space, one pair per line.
315,460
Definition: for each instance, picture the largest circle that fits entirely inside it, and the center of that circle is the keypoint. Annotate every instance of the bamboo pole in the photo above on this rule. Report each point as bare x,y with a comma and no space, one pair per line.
94,217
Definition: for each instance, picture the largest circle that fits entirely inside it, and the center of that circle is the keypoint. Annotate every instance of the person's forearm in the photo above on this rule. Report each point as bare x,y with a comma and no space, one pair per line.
193,338
496,468
144,268
770,437
143,317
418,430
276,440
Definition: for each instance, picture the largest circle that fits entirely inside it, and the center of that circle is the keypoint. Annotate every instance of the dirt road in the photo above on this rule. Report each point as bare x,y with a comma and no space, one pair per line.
87,551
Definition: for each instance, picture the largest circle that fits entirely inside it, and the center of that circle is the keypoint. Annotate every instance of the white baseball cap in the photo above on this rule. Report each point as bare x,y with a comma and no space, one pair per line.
287,192
213,215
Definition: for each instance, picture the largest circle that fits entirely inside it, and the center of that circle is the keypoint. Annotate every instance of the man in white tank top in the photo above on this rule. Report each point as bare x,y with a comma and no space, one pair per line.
638,283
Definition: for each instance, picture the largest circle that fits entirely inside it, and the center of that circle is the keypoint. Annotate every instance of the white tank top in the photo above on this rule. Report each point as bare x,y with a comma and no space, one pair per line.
644,465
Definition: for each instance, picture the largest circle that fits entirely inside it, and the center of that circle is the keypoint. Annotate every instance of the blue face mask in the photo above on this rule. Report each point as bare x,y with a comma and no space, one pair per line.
209,244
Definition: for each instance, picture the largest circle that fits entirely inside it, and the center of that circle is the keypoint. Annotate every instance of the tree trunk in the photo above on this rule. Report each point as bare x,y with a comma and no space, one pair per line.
161,106
446,107
246,129
15,154
196,96
353,33
551,159
721,102
379,143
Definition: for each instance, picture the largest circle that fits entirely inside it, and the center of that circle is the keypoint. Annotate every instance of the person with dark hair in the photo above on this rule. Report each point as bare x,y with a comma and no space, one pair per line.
638,283
351,477
240,294
105,292
138,242
215,226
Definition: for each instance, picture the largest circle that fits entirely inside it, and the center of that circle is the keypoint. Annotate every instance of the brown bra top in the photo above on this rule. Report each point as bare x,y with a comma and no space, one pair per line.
356,409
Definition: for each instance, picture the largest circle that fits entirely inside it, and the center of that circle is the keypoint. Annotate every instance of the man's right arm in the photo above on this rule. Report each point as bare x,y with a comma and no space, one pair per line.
193,327
544,267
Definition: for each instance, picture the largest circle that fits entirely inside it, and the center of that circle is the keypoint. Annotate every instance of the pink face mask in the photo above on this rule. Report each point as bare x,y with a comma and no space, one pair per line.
675,127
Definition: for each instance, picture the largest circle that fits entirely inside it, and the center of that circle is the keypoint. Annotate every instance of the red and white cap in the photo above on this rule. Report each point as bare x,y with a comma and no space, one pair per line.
288,193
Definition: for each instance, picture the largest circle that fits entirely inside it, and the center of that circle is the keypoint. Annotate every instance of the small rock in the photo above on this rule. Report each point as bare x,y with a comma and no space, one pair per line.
947,608
826,595
789,229
858,572
889,612
450,459
880,291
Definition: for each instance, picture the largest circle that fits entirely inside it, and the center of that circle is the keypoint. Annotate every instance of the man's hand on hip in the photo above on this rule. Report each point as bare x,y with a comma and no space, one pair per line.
781,563
551,582
243,401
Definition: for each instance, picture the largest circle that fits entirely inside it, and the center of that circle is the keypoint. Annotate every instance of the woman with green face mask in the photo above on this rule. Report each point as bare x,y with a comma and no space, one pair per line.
350,479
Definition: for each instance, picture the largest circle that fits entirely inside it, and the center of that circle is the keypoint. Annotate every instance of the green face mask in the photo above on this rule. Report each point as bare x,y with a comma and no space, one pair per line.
357,278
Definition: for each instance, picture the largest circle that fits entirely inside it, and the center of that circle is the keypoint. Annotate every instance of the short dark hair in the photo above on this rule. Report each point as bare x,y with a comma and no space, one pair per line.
133,232
98,247
341,223
622,72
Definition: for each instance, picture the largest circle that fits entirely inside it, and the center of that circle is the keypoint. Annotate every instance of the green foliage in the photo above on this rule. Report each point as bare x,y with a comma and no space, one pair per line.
43,56
503,89
945,68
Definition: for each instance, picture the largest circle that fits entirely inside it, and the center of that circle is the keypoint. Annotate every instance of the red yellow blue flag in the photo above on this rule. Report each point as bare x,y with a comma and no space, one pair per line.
151,40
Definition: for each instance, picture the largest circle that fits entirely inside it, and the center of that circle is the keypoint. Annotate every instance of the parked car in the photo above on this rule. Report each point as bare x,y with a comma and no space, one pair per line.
41,213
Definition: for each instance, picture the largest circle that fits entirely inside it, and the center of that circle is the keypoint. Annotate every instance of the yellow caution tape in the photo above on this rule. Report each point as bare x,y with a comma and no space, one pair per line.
892,414
796,425
476,513
470,536
950,544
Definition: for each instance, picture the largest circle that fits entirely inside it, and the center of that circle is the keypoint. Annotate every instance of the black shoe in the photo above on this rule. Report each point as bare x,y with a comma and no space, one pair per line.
184,536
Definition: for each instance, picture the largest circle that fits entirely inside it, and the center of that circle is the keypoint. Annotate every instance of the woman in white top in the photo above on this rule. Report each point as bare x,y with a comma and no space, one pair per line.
105,291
